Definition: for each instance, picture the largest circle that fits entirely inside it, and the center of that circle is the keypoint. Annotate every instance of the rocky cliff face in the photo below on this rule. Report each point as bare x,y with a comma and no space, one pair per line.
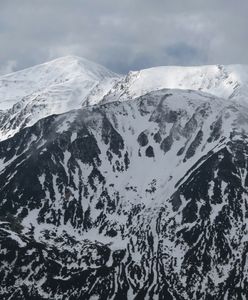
143,199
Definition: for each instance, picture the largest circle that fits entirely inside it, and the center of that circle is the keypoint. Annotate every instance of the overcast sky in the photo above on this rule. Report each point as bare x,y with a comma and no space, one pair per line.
123,35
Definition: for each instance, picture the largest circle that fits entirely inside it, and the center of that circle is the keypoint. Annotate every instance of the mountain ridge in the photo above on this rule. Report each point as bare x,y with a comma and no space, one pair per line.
230,81
71,82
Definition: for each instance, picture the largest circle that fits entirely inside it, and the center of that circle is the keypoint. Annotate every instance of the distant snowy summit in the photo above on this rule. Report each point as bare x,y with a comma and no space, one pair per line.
221,81
72,82
57,76
54,87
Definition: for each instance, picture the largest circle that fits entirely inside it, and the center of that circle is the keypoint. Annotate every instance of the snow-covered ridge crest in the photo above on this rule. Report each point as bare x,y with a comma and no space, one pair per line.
71,82
229,81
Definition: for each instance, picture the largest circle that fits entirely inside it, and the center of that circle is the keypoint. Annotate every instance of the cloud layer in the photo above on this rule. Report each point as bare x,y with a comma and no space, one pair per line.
123,35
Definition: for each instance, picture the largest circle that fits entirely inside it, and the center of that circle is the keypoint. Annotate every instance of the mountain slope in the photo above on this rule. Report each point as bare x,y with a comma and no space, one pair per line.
145,199
54,87
229,81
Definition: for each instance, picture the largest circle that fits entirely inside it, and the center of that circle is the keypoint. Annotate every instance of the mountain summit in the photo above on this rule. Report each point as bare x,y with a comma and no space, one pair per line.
64,70
229,81
51,88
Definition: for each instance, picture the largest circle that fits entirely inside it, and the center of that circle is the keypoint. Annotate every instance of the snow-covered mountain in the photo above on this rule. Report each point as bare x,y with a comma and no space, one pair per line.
228,82
143,199
51,88
143,195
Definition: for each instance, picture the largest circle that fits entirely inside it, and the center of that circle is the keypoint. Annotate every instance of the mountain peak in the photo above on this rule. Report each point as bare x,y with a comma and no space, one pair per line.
230,81
53,87
65,62
15,86
78,64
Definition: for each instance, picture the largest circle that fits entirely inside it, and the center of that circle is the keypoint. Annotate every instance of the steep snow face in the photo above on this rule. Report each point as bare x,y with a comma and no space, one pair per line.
51,88
143,199
222,81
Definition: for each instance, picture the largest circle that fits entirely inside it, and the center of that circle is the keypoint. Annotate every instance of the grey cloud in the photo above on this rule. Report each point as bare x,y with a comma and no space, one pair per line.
7,67
185,54
124,35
